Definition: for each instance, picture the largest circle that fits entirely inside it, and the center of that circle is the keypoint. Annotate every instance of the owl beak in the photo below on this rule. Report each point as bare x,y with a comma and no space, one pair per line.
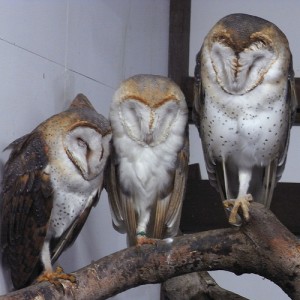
148,138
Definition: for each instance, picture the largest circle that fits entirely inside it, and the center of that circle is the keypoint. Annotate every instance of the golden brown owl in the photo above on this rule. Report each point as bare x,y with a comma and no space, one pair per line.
51,180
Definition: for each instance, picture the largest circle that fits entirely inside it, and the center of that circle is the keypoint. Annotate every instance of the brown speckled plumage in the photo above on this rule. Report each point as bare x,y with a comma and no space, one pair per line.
28,193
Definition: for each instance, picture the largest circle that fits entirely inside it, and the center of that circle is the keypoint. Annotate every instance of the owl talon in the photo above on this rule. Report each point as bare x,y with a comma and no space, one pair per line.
235,205
54,277
141,239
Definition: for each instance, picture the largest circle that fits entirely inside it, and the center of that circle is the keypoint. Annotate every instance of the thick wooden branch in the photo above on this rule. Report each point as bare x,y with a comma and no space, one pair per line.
196,286
263,246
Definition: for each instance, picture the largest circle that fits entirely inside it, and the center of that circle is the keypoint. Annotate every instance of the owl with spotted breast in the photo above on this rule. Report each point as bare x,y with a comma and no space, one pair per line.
148,168
52,179
244,107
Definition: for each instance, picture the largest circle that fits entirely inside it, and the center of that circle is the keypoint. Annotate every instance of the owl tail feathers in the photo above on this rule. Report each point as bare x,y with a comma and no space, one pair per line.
131,240
269,183
159,225
130,220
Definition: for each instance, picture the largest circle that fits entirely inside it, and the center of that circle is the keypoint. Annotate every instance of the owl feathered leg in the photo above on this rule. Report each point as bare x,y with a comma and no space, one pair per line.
234,205
136,222
242,201
50,275
141,237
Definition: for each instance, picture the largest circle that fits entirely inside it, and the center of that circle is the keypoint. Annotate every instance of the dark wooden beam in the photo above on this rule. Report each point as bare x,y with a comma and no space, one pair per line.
202,208
179,40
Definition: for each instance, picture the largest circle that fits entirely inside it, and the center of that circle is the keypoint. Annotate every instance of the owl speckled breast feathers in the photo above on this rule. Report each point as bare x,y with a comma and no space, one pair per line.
51,180
244,106
148,170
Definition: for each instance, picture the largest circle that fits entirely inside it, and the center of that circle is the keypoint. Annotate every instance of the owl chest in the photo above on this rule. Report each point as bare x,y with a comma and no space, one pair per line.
252,131
145,171
72,194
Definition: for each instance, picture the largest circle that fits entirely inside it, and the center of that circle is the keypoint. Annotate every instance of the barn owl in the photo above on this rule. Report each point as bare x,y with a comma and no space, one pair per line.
148,169
53,177
244,106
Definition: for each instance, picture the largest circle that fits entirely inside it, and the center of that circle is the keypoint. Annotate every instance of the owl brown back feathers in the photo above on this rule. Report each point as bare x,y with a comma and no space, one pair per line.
40,176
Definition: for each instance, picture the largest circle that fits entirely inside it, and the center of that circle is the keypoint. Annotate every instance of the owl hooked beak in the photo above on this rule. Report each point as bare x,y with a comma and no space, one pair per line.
148,138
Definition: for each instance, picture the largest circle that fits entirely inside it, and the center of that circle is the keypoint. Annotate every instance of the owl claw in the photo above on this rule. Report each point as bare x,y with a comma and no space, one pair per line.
54,277
141,239
233,206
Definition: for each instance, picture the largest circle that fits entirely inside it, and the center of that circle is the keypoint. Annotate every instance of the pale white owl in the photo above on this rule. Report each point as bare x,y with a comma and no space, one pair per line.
244,106
148,170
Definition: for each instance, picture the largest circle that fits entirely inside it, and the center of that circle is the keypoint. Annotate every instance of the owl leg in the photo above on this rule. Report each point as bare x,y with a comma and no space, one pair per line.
141,229
234,205
243,200
50,275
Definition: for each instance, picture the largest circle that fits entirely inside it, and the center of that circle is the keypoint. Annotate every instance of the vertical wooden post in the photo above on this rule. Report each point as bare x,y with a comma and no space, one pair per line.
179,40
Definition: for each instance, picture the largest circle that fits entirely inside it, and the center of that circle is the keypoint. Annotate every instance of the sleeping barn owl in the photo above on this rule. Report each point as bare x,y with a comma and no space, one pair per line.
148,169
51,180
244,106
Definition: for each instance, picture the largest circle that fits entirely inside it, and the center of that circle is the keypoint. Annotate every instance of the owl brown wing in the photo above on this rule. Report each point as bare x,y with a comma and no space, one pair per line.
112,187
121,205
167,216
274,170
26,203
199,102
197,113
291,98
198,93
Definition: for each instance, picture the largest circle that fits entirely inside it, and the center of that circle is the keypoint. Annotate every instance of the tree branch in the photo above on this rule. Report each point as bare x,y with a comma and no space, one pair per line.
196,286
263,246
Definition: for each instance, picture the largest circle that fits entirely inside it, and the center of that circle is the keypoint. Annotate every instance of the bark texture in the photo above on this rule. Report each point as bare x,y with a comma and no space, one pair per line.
195,286
263,246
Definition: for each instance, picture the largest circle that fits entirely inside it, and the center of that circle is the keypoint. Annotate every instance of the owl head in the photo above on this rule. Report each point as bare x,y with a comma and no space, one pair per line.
79,135
146,107
241,50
